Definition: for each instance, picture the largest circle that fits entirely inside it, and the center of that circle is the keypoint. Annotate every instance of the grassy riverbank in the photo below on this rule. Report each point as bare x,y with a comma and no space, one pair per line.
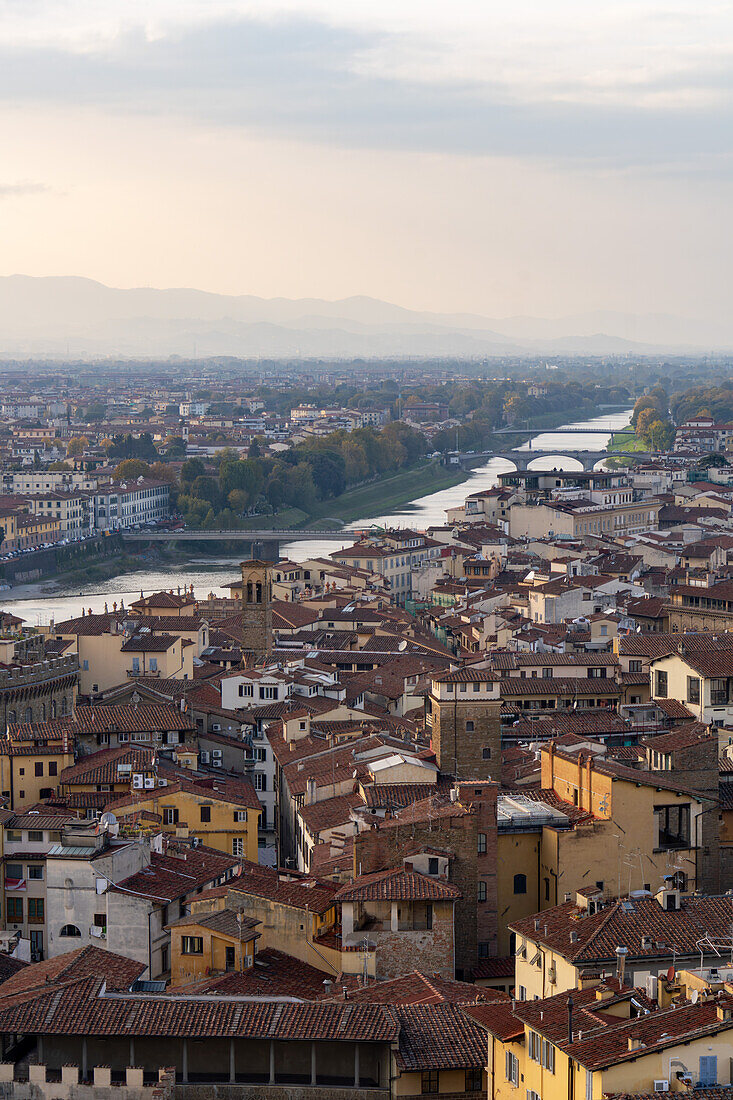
626,439
376,497
386,494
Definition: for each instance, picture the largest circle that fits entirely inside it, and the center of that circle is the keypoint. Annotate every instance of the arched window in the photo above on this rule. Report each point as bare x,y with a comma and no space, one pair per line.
250,591
259,592
28,717
43,712
69,930
520,884
11,716
53,708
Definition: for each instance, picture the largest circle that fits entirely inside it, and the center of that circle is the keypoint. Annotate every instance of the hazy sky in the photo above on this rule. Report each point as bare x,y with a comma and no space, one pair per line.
499,157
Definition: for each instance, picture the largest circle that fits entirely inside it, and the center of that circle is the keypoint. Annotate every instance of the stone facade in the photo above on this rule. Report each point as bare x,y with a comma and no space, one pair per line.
256,613
470,838
466,737
38,691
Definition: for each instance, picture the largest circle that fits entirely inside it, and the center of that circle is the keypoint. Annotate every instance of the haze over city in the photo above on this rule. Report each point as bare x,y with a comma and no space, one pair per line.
473,158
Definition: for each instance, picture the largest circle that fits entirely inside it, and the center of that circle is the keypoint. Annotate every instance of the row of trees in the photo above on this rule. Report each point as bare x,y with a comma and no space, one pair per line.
715,401
299,477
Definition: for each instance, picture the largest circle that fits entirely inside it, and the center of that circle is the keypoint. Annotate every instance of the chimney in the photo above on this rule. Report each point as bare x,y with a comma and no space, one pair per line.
621,953
327,985
310,796
570,1017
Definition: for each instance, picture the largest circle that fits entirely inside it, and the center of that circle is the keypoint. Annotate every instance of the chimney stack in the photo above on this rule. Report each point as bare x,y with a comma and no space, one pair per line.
570,1017
621,953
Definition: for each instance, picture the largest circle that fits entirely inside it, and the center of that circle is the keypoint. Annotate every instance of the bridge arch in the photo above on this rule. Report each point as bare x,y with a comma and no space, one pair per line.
549,461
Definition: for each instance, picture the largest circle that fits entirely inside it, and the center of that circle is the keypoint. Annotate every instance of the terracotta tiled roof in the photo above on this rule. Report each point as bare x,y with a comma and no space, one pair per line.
9,967
496,1017
671,934
682,738
149,643
118,971
80,1007
673,708
329,813
102,767
299,891
399,795
132,718
570,685
238,790
438,1036
417,988
223,921
398,885
497,967
272,975
466,676
181,871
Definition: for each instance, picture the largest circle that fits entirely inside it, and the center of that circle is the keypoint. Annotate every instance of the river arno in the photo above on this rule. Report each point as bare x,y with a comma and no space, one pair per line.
211,575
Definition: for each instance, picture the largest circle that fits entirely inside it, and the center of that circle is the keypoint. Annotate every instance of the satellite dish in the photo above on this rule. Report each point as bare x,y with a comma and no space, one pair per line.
108,819
402,646
695,996
670,974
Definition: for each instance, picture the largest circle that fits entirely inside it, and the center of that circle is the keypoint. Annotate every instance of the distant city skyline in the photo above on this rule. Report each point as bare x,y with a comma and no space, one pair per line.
473,157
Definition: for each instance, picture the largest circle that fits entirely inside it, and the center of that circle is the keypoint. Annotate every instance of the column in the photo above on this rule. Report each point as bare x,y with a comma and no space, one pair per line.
272,1061
395,917
184,1061
356,1065
84,1058
132,1051
232,1062
313,1065
39,1047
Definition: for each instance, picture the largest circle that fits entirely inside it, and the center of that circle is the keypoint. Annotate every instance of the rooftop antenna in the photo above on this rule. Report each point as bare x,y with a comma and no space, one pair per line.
366,945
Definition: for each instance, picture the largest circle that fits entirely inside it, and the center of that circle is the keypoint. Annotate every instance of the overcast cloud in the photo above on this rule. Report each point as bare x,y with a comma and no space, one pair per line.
633,90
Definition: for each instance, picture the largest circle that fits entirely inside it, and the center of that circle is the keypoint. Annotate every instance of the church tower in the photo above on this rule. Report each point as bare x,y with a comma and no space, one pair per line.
256,614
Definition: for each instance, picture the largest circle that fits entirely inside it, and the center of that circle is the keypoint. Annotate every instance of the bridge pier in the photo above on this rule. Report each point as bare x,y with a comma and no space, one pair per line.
265,550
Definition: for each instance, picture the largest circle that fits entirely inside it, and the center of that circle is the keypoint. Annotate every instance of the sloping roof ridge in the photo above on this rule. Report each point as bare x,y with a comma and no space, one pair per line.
612,911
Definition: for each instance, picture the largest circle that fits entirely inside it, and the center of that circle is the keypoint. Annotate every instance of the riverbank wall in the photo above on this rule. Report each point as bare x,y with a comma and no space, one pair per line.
38,565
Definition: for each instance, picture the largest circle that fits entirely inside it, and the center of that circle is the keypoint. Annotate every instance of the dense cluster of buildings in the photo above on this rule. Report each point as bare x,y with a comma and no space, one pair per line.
447,812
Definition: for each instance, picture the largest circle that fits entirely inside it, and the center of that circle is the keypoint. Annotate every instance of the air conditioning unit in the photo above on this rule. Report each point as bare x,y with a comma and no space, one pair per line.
137,782
216,763
149,783
216,727
204,757
216,753
661,1086
651,986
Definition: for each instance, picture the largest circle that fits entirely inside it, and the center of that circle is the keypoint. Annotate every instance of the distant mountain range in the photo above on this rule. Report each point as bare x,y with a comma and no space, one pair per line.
81,318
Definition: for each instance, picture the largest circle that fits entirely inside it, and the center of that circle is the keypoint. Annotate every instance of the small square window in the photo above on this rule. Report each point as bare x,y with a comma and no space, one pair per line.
469,727
486,752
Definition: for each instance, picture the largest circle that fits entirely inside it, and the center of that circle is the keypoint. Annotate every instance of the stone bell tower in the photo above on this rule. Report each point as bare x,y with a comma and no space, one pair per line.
256,614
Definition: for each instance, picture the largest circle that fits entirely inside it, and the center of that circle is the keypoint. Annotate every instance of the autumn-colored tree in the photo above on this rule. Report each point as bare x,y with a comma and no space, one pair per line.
131,469
77,445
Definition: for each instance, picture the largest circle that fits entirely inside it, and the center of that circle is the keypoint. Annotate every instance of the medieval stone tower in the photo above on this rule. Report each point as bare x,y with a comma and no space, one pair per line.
256,614
463,712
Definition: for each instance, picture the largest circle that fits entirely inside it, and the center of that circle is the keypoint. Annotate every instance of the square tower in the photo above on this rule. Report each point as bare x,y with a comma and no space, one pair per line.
463,715
256,614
